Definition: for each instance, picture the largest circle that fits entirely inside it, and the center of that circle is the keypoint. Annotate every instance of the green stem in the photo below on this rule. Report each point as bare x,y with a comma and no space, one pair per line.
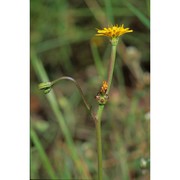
77,85
111,66
101,108
99,141
80,90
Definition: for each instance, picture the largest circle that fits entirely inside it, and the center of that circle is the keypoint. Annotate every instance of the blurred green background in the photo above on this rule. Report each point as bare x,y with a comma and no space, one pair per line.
63,43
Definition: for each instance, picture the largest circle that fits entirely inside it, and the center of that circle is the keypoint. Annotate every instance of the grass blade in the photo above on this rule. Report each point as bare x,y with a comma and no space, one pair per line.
46,163
138,13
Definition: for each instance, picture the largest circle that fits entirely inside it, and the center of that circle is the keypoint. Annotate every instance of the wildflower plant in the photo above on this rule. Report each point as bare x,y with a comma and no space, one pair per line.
113,33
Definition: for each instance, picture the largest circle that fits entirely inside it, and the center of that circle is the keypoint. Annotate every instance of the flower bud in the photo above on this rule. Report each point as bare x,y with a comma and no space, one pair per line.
46,87
102,97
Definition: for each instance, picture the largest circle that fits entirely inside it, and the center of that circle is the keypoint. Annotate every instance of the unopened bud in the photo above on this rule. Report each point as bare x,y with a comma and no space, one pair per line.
46,87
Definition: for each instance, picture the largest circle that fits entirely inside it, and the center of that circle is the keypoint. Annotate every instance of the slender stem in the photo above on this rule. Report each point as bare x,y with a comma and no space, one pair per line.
80,90
100,111
99,141
77,85
111,66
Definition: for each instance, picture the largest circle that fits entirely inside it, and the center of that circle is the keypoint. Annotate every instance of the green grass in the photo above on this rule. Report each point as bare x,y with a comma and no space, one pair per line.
63,137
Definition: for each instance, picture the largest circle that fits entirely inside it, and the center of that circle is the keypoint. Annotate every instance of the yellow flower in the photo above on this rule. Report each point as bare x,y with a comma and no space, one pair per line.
113,31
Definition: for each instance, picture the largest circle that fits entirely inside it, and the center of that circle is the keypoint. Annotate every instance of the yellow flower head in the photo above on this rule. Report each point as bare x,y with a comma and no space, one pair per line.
113,31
